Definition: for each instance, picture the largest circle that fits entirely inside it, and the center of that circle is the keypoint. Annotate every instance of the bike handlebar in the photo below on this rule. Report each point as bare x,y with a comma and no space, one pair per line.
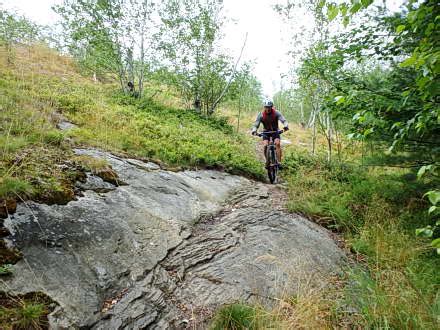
270,132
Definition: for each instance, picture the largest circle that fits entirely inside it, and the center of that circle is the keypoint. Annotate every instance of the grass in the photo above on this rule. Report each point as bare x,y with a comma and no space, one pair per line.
37,162
238,316
27,311
6,270
10,187
41,86
314,301
377,211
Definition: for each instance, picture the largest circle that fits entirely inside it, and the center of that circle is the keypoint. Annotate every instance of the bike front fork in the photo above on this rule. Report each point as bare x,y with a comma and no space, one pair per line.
276,151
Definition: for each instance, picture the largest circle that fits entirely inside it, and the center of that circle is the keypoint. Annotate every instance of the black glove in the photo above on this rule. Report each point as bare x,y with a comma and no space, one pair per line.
286,128
254,132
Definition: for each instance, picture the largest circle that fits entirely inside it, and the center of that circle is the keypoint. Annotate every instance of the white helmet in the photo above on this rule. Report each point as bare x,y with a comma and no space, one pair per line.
268,103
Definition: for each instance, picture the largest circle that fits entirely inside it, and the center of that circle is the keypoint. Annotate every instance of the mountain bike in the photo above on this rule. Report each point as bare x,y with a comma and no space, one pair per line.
272,164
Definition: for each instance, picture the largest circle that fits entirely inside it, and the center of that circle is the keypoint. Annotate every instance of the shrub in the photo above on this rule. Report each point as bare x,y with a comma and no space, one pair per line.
53,137
30,315
236,317
6,270
14,186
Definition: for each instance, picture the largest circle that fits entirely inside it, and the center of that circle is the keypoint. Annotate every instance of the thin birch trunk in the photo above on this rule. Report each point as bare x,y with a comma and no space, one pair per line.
216,102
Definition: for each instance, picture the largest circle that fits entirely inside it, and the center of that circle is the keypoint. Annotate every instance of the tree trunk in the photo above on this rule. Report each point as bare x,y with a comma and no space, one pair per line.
239,113
329,137
216,102
303,122
314,132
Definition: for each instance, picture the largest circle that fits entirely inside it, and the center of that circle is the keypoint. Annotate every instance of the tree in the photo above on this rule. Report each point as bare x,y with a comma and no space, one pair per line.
381,83
245,92
110,37
189,42
16,29
309,80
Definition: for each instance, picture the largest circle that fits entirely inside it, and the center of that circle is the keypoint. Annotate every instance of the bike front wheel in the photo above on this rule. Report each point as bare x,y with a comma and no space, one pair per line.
272,169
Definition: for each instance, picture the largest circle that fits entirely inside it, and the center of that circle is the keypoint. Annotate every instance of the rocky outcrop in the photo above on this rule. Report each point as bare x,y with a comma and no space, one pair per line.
162,251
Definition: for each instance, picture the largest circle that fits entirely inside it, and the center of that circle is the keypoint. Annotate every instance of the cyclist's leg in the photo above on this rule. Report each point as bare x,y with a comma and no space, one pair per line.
278,147
265,143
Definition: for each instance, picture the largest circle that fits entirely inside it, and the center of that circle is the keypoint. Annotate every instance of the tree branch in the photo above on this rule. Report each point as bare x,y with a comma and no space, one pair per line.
216,102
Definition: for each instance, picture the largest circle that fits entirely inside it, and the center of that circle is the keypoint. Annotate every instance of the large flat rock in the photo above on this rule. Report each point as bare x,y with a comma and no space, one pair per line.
146,253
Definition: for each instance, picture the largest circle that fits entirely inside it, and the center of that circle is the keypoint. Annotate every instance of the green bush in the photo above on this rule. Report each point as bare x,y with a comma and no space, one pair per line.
30,315
10,187
236,317
53,137
71,101
5,269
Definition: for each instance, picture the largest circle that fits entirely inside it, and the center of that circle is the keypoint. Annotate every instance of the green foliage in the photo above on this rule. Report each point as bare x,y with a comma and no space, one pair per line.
53,137
118,123
390,102
189,39
379,82
236,317
15,29
107,36
5,269
24,315
377,210
29,315
28,311
11,187
177,137
399,299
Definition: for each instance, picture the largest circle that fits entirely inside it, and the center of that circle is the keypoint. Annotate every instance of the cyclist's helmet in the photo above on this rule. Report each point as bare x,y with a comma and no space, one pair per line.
268,103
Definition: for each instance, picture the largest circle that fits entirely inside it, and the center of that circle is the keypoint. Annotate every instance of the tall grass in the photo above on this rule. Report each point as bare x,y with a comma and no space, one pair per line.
377,211
396,285
27,311
41,87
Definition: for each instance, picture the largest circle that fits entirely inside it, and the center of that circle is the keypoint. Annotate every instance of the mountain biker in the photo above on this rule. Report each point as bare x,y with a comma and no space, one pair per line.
270,117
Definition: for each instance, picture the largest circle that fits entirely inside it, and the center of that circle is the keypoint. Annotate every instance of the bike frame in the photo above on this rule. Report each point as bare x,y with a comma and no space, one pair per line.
271,157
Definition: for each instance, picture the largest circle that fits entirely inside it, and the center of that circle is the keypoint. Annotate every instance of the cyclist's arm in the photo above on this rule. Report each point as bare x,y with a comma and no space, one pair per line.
282,119
257,122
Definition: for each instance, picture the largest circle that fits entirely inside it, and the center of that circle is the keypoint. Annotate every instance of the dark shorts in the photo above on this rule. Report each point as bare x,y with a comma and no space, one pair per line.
266,137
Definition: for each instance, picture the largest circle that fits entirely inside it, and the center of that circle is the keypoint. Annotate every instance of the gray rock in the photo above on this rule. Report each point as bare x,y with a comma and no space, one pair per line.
64,125
96,184
149,166
167,245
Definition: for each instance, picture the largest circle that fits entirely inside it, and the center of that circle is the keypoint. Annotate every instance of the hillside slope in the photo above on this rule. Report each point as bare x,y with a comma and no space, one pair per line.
40,89
111,231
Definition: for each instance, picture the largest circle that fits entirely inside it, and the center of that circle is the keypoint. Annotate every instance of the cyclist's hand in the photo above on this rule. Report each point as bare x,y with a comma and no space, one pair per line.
254,132
286,128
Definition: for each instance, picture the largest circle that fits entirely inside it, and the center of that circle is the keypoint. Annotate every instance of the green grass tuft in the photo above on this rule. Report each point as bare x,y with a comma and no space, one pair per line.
53,137
29,316
11,187
5,270
236,317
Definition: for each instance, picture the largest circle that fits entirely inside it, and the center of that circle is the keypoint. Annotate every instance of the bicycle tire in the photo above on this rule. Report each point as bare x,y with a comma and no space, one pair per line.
275,165
272,169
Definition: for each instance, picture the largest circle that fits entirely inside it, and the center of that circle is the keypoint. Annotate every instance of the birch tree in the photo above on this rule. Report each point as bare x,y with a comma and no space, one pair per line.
110,37
190,44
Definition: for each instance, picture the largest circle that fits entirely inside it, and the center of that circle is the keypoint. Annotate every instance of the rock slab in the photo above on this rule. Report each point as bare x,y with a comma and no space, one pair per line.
164,250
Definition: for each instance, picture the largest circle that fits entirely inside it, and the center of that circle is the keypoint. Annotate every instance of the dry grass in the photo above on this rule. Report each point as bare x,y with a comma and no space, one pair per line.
41,86
308,299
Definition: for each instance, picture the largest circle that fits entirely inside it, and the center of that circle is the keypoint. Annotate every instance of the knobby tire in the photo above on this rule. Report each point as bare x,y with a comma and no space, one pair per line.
272,168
